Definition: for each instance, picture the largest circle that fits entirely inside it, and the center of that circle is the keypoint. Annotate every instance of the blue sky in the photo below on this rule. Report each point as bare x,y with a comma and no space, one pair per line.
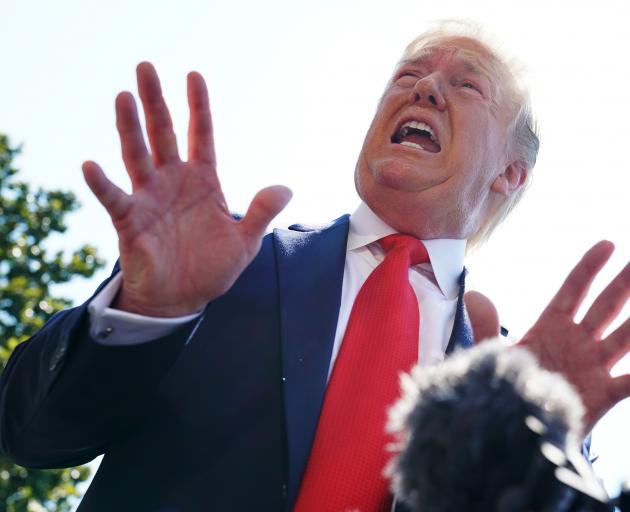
293,88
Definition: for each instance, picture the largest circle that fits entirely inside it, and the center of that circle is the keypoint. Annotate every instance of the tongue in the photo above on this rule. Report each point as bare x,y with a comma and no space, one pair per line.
422,140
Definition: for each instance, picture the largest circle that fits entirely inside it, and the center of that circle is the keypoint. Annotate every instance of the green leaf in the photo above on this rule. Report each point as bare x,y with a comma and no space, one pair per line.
27,218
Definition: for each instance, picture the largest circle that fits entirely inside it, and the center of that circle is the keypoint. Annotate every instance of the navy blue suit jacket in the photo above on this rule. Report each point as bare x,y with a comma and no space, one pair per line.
219,415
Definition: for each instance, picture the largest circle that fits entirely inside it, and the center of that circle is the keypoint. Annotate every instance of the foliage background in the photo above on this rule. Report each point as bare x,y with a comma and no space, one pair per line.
27,271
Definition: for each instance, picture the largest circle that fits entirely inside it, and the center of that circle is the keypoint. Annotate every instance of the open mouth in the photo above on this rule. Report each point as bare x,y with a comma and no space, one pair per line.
416,134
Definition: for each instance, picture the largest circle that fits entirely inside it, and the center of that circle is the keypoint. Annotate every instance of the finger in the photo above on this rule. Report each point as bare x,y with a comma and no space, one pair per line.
483,316
264,207
134,150
115,201
159,125
576,285
609,304
200,137
617,345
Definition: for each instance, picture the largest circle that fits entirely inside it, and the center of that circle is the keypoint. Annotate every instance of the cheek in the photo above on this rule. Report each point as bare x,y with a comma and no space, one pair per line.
373,138
358,179
475,195
386,109
484,150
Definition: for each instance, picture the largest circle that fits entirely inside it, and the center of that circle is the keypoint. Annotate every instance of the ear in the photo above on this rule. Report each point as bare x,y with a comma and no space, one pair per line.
510,180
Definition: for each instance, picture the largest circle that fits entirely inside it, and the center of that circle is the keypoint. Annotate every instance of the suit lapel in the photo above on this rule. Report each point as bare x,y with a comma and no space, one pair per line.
461,336
310,275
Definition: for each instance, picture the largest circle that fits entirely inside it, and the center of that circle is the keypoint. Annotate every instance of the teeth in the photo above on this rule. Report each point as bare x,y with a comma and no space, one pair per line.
411,144
418,126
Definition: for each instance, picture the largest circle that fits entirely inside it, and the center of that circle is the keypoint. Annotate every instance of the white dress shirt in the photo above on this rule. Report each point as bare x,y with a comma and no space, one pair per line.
435,285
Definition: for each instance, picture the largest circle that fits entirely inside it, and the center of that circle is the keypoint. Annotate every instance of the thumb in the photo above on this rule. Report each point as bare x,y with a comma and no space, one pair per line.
483,316
267,203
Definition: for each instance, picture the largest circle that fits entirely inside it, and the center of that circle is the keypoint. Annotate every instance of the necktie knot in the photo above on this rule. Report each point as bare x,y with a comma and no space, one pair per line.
414,247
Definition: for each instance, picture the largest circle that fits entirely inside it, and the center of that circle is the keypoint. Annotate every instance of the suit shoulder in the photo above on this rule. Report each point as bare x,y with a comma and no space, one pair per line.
305,228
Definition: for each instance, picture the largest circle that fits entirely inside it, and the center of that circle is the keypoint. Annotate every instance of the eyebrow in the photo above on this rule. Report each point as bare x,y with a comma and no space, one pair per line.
474,65
468,59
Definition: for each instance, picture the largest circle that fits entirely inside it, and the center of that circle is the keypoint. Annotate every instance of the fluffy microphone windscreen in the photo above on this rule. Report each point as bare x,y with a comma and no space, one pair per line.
462,439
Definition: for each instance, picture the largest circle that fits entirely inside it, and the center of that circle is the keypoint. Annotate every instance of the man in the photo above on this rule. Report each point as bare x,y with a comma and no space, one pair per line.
211,363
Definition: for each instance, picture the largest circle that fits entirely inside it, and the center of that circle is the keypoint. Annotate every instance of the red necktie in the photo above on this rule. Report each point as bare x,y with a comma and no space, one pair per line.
345,468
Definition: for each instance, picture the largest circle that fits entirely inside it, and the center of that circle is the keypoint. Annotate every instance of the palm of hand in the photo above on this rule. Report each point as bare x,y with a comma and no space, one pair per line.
175,227
179,245
576,350
562,346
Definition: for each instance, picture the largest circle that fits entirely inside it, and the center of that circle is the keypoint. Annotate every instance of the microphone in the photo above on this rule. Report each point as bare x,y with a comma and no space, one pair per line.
489,430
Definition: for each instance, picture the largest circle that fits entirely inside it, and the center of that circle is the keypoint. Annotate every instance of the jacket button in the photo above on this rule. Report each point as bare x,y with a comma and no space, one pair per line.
105,333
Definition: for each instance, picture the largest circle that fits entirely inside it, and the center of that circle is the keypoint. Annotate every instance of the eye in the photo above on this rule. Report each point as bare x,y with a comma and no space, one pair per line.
408,77
467,84
406,74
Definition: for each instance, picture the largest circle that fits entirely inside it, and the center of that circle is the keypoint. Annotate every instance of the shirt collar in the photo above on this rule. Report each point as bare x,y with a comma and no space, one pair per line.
447,255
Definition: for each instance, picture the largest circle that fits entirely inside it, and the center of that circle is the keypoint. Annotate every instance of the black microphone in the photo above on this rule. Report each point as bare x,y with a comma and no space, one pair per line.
489,430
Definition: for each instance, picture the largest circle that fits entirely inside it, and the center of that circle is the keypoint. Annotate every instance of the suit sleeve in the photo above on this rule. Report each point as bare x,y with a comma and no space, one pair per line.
64,397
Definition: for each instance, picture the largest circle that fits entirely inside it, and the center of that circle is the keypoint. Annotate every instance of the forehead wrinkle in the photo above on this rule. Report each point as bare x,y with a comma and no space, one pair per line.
472,61
469,60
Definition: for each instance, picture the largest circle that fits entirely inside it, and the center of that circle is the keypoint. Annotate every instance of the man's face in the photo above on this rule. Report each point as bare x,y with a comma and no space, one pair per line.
434,158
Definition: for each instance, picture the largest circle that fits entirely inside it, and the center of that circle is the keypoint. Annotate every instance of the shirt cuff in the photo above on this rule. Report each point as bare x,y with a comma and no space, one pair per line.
114,327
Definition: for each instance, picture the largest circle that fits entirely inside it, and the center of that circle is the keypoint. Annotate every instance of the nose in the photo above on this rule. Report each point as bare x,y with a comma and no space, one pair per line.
427,92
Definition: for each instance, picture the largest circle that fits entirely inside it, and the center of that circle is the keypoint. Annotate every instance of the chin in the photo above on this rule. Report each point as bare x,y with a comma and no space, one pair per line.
402,174
399,194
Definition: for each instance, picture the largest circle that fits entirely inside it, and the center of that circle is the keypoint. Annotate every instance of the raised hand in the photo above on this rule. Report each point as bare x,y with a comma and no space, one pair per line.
577,350
179,246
